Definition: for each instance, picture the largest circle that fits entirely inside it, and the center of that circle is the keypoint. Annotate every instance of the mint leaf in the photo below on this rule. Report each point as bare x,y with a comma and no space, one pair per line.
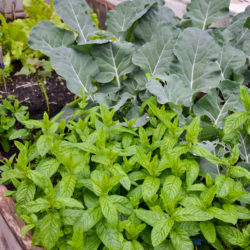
109,210
208,230
50,226
161,230
180,240
150,187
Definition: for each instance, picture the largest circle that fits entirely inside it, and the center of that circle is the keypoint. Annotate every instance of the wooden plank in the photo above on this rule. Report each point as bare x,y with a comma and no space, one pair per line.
7,239
8,213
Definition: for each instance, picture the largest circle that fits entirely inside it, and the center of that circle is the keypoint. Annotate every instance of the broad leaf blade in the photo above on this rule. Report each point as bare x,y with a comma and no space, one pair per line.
244,147
231,60
74,14
45,36
174,90
205,12
77,68
239,34
151,22
114,61
197,52
212,105
125,14
155,56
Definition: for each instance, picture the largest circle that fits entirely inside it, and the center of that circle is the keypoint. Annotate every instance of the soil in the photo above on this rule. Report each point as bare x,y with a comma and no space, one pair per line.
28,91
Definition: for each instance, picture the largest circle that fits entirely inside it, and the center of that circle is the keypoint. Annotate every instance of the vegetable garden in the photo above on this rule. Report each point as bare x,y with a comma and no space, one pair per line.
153,149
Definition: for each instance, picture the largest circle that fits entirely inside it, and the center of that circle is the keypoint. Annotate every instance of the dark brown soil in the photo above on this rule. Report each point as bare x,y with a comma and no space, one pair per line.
27,90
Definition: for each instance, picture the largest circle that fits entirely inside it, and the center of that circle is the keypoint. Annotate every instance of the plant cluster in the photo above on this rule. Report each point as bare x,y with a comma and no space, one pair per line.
94,184
174,178
146,50
14,38
11,113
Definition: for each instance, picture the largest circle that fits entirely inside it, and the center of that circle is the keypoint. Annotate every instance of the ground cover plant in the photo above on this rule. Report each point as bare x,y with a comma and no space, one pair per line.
94,184
176,177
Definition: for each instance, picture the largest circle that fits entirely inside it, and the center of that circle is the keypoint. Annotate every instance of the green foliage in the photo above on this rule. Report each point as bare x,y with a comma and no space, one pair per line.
94,184
10,114
14,38
90,181
146,51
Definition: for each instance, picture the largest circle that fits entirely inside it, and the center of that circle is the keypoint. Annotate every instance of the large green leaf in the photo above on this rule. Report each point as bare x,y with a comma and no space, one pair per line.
76,67
215,108
238,33
156,56
205,12
152,21
114,61
244,147
197,52
230,60
46,35
174,90
74,14
125,14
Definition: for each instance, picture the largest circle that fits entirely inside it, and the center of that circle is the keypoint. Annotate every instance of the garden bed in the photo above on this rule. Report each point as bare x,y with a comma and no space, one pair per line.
154,153
27,89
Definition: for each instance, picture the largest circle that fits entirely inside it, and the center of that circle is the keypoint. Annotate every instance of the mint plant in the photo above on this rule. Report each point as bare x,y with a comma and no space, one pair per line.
94,184
146,51
175,178
11,113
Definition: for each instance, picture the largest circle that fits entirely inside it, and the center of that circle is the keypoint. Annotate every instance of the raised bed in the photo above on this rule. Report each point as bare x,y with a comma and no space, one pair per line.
11,226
